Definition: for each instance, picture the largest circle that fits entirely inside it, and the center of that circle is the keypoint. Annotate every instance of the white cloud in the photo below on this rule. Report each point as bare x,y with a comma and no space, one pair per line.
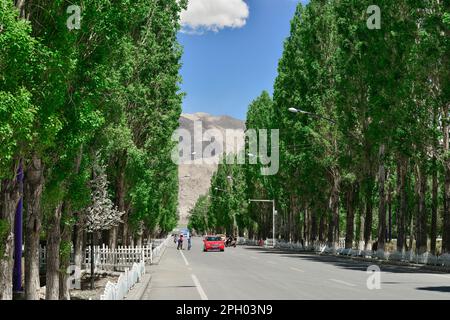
214,15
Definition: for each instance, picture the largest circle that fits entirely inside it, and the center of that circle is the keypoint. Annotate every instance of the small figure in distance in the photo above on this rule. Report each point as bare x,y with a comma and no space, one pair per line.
375,246
180,242
189,243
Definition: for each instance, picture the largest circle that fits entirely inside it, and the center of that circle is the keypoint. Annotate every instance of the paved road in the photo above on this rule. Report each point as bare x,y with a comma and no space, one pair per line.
250,273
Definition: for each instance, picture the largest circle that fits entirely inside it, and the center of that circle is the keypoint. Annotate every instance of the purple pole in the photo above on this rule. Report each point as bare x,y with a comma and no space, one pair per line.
17,274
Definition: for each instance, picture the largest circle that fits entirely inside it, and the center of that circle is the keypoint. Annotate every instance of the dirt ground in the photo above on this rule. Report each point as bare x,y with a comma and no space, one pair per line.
86,293
100,283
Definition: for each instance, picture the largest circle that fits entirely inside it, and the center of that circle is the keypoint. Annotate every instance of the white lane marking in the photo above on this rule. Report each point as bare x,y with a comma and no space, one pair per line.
296,269
184,258
202,293
344,282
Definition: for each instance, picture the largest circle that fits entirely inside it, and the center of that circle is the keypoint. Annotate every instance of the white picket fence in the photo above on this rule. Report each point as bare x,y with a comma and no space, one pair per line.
108,259
118,259
117,291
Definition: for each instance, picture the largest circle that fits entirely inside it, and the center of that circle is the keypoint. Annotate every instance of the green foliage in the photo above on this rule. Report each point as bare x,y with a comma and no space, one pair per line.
64,253
363,89
198,216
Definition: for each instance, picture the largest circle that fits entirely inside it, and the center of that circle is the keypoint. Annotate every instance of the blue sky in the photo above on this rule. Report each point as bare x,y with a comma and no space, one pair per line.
224,69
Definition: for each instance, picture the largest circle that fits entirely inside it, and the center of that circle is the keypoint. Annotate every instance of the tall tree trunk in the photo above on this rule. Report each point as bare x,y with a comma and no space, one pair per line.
120,195
314,226
362,223
382,199
446,213
93,236
8,202
64,293
306,225
350,219
390,213
402,168
66,234
322,227
34,182
434,207
53,246
421,231
333,226
411,232
78,235
368,215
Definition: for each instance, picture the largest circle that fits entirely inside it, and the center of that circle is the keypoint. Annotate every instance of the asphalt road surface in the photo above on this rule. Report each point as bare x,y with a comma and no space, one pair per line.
252,273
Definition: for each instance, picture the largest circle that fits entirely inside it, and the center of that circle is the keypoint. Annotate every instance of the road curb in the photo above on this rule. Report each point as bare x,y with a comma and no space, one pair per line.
138,291
383,262
394,263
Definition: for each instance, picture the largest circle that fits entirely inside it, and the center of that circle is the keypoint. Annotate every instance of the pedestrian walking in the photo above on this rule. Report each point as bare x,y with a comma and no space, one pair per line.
180,242
189,243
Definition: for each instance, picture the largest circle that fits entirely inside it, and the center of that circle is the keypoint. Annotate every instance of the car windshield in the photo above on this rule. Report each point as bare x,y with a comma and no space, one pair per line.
212,238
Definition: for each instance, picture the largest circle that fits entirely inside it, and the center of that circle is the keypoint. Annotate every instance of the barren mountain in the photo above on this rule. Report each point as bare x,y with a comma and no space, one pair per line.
195,177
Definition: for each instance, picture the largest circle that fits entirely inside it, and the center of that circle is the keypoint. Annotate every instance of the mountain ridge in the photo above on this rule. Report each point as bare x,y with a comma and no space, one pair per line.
195,179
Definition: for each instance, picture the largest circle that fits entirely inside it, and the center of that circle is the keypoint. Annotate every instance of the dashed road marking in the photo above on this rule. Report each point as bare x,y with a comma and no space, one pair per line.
343,282
184,258
200,290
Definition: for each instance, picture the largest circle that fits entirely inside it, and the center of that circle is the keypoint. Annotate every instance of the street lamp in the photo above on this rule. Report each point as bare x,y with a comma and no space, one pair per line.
274,213
294,110
235,227
349,134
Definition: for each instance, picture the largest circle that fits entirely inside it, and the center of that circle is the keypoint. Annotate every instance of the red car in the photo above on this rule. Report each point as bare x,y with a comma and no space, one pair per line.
213,243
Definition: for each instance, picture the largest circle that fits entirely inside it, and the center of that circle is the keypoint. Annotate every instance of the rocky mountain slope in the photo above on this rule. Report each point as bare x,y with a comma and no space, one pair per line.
194,178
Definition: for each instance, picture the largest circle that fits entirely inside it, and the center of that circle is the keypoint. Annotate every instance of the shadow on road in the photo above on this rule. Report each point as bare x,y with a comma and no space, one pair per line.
341,262
436,289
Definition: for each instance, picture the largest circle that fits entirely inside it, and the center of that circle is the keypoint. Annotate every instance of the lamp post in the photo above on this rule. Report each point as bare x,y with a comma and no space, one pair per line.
348,134
294,110
235,227
274,213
